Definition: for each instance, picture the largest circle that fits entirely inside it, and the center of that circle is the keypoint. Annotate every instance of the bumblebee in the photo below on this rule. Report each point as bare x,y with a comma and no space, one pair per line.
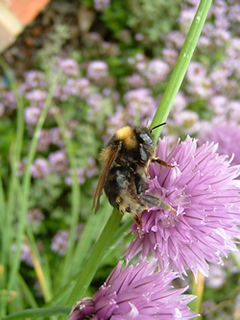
126,158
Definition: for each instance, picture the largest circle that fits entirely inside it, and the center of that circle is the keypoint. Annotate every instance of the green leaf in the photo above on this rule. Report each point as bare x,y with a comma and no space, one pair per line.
37,313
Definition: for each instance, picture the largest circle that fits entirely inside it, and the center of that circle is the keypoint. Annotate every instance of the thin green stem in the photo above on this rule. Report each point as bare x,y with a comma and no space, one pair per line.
75,198
26,189
15,153
37,313
181,66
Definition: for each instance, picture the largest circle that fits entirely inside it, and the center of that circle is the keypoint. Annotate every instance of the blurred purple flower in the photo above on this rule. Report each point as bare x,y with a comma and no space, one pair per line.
138,36
34,79
180,103
187,120
156,71
203,190
58,160
56,136
79,87
69,66
135,292
40,168
196,72
140,103
37,97
9,100
218,103
31,115
80,176
44,140
186,17
60,242
95,100
175,40
170,56
26,252
2,109
227,136
34,216
62,92
91,169
21,166
217,276
114,122
97,70
135,81
101,5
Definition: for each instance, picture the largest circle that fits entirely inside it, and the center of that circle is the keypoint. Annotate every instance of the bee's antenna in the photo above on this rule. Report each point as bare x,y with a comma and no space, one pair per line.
159,125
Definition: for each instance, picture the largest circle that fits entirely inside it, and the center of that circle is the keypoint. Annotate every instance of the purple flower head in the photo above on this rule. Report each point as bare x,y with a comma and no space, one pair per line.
170,56
135,81
139,36
97,70
60,242
78,87
36,97
26,254
2,109
175,39
91,169
58,160
156,71
101,5
80,175
35,216
201,187
227,137
40,168
140,103
9,100
196,72
44,140
135,292
31,115
34,79
69,66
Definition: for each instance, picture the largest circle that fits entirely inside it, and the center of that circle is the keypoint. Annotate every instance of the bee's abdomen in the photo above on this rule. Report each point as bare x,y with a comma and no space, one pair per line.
118,191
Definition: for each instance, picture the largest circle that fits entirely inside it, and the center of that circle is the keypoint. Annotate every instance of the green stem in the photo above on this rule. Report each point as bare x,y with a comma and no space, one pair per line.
75,197
181,66
37,313
103,243
26,190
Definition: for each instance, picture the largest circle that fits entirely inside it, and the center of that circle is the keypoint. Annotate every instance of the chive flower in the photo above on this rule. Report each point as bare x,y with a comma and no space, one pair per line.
203,190
135,292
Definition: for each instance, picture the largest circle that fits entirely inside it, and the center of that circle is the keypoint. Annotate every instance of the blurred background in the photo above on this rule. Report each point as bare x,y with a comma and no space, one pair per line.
113,59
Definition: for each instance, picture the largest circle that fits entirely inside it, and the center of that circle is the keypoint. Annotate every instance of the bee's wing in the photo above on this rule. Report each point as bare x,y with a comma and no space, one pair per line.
102,180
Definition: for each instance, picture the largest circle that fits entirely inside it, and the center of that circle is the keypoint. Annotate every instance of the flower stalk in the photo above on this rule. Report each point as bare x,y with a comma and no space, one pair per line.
181,66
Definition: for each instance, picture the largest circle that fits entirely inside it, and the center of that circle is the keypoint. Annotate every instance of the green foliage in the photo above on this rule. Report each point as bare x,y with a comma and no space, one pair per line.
116,16
153,18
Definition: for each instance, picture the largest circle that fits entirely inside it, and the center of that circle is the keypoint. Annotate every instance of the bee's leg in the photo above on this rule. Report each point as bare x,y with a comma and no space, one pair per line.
161,162
139,183
156,202
138,221
147,175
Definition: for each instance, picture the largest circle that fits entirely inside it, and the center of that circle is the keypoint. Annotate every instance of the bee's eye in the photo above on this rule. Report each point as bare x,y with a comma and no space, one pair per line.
146,138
